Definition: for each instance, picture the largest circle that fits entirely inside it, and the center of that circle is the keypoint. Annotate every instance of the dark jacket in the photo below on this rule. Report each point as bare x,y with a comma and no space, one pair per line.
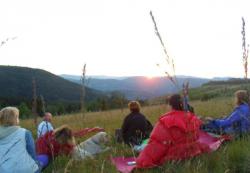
135,128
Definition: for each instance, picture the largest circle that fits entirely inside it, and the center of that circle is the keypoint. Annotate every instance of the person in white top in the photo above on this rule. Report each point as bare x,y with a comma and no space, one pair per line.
45,126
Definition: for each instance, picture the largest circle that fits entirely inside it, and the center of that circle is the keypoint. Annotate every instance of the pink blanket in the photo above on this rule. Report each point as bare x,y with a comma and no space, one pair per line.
212,143
121,164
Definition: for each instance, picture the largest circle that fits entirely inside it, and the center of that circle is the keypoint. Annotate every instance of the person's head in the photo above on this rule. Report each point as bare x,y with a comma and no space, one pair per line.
47,117
9,116
134,106
241,97
64,135
175,101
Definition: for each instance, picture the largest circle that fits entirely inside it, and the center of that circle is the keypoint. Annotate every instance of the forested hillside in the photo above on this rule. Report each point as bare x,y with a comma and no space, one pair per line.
60,95
212,89
16,82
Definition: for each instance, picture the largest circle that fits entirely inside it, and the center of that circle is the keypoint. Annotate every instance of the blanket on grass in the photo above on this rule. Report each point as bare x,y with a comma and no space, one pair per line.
212,142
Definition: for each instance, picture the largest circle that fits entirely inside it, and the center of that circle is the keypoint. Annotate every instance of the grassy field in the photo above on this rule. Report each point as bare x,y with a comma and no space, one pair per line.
232,157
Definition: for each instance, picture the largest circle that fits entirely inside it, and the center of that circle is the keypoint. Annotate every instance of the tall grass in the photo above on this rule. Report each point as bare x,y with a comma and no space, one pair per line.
232,157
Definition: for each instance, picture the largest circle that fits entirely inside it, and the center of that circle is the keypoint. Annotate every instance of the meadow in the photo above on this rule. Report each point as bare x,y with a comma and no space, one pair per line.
232,157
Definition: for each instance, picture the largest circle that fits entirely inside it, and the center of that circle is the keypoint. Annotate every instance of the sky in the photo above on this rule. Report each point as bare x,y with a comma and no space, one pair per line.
117,37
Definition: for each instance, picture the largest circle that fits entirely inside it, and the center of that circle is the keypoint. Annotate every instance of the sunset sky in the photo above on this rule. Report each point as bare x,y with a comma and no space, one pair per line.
117,38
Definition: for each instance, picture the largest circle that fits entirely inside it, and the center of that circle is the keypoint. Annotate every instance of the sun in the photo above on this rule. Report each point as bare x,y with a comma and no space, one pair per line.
150,76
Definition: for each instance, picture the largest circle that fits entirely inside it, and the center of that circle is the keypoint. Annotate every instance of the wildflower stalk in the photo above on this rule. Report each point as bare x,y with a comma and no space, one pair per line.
244,49
34,101
83,91
169,60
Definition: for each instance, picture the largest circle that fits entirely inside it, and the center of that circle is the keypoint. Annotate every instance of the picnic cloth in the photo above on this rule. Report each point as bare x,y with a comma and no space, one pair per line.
211,142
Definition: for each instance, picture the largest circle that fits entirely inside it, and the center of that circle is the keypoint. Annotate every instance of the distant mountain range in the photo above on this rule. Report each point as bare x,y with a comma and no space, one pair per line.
76,77
16,84
139,87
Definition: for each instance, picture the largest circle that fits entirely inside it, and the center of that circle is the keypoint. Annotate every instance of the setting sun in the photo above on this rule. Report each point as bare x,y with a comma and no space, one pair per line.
150,76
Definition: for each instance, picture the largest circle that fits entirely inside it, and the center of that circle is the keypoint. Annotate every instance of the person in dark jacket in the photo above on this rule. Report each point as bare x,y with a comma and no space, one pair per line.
135,127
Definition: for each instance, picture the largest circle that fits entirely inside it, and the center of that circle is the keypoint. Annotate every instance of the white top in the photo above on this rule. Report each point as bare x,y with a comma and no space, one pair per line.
43,128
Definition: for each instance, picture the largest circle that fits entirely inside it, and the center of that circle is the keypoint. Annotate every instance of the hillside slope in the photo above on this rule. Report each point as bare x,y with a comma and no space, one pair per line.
16,85
211,90
214,89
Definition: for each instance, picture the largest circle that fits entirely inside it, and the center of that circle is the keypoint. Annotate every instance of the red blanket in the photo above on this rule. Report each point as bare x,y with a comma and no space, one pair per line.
85,131
210,142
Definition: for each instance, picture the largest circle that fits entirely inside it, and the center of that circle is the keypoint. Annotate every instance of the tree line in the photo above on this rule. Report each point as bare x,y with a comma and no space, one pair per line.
113,100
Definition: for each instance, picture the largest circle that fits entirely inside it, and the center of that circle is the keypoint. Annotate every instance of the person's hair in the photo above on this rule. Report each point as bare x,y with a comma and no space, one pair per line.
47,116
64,135
9,116
134,106
176,102
242,97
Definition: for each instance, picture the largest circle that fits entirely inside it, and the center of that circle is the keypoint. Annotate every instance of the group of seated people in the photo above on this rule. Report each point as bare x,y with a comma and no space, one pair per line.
173,137
19,153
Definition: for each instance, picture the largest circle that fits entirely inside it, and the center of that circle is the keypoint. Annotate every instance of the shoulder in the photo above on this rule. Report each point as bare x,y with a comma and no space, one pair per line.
129,116
23,130
28,133
179,119
141,114
48,124
41,123
24,133
243,107
168,116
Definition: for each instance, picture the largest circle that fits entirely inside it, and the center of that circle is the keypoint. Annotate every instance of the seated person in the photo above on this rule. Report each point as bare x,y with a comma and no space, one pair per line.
174,137
17,148
237,122
61,141
135,127
45,126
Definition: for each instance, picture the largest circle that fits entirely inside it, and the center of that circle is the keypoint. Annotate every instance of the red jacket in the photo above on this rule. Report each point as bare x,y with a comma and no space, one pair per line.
174,137
48,145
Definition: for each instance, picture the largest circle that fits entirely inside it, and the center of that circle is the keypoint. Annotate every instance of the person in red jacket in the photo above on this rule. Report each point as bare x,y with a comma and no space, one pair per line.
174,137
53,143
61,141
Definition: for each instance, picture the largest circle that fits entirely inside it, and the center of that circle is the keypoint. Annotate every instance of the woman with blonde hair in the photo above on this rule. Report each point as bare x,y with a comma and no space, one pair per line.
238,122
17,149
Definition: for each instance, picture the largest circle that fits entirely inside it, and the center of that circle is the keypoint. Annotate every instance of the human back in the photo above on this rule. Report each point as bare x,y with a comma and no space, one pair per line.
16,153
174,137
135,127
182,130
15,147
